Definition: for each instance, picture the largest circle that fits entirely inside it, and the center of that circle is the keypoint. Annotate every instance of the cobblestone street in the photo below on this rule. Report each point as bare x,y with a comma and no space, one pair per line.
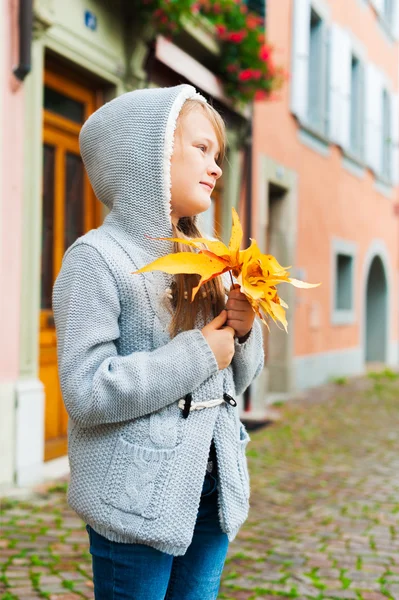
324,520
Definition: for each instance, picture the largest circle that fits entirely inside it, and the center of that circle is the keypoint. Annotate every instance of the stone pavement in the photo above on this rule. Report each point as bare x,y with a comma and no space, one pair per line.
324,519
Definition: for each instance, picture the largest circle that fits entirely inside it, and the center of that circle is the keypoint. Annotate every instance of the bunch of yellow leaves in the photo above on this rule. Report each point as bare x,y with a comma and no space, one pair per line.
257,274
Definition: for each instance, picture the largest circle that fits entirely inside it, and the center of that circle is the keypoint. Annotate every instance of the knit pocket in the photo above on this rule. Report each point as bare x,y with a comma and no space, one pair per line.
136,478
242,459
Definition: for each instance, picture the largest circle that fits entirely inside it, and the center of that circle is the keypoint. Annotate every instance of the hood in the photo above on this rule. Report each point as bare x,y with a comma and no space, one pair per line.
126,147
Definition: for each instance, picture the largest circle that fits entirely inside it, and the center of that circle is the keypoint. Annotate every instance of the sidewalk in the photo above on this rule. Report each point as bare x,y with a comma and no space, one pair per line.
324,519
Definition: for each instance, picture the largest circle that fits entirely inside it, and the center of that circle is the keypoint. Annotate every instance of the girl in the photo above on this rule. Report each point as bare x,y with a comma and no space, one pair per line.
156,447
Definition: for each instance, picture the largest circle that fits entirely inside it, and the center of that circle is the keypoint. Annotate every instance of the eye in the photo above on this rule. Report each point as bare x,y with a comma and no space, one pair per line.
202,148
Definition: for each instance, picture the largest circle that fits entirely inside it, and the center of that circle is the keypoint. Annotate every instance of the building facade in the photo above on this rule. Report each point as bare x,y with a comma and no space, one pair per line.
316,186
325,188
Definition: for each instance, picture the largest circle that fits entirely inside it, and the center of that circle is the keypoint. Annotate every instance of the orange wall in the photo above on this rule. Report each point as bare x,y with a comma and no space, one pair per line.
331,201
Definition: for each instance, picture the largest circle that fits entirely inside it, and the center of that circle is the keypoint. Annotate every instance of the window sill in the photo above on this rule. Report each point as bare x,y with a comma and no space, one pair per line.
353,164
314,139
343,317
384,187
386,27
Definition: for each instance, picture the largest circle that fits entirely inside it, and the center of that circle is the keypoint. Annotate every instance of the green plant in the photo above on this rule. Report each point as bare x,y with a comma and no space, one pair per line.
339,380
246,64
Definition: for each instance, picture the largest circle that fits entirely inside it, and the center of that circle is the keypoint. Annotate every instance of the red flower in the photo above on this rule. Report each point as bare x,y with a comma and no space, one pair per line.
252,23
245,75
265,52
217,8
221,29
243,9
256,73
260,95
236,36
271,69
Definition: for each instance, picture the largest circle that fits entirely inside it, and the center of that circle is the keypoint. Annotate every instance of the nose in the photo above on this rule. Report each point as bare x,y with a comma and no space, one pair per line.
215,170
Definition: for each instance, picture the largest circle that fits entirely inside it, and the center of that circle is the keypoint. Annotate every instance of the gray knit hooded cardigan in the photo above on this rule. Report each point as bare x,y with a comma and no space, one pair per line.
137,466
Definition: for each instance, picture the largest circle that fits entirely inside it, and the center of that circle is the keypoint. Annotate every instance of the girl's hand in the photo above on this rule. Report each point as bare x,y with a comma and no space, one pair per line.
221,339
240,315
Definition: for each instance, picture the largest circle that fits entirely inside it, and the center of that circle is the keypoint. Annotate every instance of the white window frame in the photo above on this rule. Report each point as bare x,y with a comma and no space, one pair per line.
373,118
386,133
357,152
376,83
340,86
347,248
300,63
390,22
344,47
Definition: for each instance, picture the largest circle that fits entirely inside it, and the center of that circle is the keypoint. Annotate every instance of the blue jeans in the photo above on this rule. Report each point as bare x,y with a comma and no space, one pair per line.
140,572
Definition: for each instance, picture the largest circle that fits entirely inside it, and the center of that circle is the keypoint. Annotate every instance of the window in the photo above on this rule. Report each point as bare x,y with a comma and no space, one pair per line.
356,108
257,6
317,74
343,288
310,67
386,136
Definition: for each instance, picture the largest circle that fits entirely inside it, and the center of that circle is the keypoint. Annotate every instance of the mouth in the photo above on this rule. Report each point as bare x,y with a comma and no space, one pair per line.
208,186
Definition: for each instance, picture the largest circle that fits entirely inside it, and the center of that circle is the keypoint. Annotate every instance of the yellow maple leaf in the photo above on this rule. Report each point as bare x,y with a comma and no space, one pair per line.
257,274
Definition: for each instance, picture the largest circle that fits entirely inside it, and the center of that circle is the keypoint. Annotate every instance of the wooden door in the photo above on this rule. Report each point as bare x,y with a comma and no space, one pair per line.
69,209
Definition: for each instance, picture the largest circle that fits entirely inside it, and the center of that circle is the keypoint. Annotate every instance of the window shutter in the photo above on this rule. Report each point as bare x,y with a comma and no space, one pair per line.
378,129
300,59
361,116
395,20
373,119
335,83
395,138
340,86
378,5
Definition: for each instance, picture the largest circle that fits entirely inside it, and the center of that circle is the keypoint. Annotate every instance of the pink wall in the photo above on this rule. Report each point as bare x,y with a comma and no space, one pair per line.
331,201
10,193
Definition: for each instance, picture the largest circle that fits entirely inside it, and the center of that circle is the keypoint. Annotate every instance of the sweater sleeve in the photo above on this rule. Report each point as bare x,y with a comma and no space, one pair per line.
248,358
98,385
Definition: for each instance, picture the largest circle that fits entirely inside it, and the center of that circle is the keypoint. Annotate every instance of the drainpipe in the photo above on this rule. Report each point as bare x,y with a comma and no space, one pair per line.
25,22
248,214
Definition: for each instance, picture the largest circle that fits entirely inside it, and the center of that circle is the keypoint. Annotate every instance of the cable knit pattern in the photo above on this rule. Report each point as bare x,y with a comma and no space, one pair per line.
137,467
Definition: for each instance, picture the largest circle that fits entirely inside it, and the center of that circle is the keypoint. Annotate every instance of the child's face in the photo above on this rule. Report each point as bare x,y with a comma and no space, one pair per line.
194,170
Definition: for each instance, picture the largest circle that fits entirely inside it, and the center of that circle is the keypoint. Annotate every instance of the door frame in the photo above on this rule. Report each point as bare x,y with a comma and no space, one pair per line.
63,134
378,248
28,448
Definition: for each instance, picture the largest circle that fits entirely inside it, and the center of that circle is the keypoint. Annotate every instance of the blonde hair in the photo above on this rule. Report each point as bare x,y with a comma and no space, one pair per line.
210,299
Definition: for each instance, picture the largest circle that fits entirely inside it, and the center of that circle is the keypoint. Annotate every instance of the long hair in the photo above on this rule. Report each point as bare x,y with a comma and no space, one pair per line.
210,299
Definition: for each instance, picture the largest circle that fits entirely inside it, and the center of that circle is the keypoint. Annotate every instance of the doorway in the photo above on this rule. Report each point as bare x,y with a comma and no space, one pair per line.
376,313
69,209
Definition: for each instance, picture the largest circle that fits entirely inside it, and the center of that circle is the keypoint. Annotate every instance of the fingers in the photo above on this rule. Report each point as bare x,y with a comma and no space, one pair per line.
218,321
235,320
230,330
235,325
237,304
